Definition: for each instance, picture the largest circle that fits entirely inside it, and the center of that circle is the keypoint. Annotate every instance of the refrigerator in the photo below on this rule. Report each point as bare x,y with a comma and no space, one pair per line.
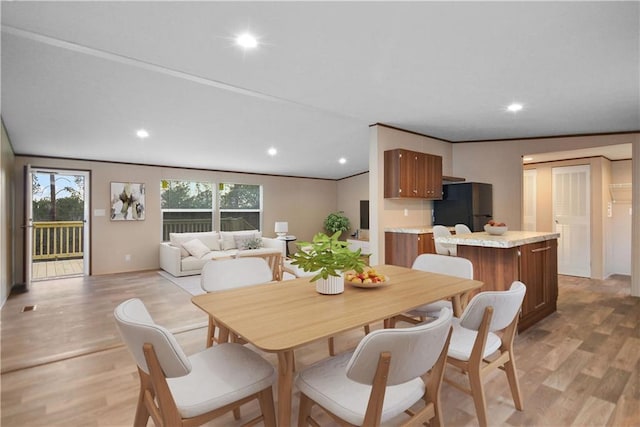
469,203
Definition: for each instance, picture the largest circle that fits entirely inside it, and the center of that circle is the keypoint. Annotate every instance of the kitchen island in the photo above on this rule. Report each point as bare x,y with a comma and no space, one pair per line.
403,244
528,256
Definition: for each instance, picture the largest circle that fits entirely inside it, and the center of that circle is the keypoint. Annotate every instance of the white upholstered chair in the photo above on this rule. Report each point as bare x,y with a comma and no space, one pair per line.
273,260
218,275
176,390
381,379
443,248
476,349
441,264
462,229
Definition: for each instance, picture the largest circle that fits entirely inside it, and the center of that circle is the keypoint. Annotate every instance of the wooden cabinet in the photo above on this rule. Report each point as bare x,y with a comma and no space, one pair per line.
539,273
403,248
412,174
534,264
433,166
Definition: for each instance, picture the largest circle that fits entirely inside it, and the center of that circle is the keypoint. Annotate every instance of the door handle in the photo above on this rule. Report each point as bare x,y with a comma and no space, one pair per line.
541,249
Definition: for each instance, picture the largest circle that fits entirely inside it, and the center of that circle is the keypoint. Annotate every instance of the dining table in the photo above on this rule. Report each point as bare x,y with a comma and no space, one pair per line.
281,317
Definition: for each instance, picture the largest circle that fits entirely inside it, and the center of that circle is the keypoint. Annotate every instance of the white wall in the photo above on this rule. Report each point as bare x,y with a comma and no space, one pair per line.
621,222
7,160
350,191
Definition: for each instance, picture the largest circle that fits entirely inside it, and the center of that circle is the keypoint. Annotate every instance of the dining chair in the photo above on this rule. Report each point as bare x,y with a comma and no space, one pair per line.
218,275
381,378
176,390
273,259
476,349
462,229
441,264
443,248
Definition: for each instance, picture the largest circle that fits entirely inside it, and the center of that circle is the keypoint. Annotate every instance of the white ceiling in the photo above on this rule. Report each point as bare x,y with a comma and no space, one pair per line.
79,78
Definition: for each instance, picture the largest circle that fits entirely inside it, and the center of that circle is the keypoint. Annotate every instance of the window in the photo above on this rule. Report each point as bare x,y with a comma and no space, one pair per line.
186,206
240,207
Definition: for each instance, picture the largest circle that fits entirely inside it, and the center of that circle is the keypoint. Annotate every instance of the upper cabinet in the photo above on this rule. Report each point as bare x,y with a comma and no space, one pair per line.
412,174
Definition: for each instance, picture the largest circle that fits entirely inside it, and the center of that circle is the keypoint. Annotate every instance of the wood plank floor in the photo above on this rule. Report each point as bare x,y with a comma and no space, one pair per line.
58,268
64,365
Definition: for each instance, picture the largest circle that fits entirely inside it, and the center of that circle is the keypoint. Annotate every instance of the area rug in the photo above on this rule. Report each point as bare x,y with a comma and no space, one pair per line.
190,284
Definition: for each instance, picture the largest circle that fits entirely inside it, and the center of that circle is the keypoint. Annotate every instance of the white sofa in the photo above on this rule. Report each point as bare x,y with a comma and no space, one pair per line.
186,253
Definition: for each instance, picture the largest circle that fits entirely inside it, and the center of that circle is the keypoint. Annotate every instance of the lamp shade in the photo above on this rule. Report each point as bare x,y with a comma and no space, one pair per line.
282,227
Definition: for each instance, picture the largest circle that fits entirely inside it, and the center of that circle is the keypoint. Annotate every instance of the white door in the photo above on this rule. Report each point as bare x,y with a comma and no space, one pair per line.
529,195
571,187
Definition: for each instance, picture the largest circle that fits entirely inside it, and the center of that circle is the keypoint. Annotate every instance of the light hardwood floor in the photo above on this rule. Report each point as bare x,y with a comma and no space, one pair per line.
63,364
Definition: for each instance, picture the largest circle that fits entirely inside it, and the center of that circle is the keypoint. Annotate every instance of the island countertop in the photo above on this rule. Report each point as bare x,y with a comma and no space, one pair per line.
509,239
412,229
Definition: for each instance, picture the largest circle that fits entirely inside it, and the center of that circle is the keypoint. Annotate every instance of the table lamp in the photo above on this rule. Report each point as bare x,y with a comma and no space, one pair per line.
282,228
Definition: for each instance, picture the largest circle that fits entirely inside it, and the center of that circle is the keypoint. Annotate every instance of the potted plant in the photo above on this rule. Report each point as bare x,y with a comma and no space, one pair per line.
329,258
336,221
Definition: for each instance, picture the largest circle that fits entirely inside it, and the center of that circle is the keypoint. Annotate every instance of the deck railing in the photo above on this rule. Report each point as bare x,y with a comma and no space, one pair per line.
184,225
58,240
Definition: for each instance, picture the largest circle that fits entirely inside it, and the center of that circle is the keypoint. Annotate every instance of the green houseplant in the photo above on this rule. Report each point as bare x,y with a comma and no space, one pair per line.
327,256
336,221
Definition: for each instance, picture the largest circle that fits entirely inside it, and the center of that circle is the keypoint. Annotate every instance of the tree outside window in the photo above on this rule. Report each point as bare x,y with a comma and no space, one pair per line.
187,206
240,206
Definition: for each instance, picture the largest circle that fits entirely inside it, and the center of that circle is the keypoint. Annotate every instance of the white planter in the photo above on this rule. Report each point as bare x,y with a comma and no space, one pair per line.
330,286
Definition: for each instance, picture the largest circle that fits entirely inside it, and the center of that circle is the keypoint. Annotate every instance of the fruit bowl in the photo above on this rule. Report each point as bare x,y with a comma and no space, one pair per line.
366,279
495,230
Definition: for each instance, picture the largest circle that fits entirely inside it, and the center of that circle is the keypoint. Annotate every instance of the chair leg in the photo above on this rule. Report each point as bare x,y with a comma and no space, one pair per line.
265,397
305,410
236,414
477,392
211,332
514,385
332,351
367,329
142,414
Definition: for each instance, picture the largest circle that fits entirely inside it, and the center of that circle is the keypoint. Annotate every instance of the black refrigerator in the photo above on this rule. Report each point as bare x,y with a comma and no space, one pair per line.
469,203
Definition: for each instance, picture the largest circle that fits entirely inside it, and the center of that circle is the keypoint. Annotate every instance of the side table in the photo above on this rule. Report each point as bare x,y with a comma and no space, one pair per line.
287,239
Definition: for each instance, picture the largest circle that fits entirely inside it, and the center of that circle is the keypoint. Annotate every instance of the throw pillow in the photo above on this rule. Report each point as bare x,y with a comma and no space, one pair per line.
228,238
247,242
196,248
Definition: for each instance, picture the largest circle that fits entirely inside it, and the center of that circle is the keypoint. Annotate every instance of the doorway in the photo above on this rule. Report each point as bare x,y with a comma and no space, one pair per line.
529,200
571,200
57,223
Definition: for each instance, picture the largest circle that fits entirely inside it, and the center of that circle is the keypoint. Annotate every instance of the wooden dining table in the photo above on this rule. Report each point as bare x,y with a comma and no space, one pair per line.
281,317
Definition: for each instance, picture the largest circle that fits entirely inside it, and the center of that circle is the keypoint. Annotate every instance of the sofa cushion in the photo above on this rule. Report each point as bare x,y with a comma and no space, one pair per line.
210,238
229,241
247,242
196,248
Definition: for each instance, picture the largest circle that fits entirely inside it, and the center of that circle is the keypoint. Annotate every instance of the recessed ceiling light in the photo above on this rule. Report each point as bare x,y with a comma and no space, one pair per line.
515,107
247,41
272,151
342,160
142,133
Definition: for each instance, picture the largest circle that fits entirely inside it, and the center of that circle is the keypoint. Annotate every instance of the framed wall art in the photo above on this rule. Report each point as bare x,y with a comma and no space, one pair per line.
127,201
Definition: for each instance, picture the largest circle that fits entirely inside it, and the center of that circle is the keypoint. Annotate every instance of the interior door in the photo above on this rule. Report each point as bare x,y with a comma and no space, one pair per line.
56,224
571,187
